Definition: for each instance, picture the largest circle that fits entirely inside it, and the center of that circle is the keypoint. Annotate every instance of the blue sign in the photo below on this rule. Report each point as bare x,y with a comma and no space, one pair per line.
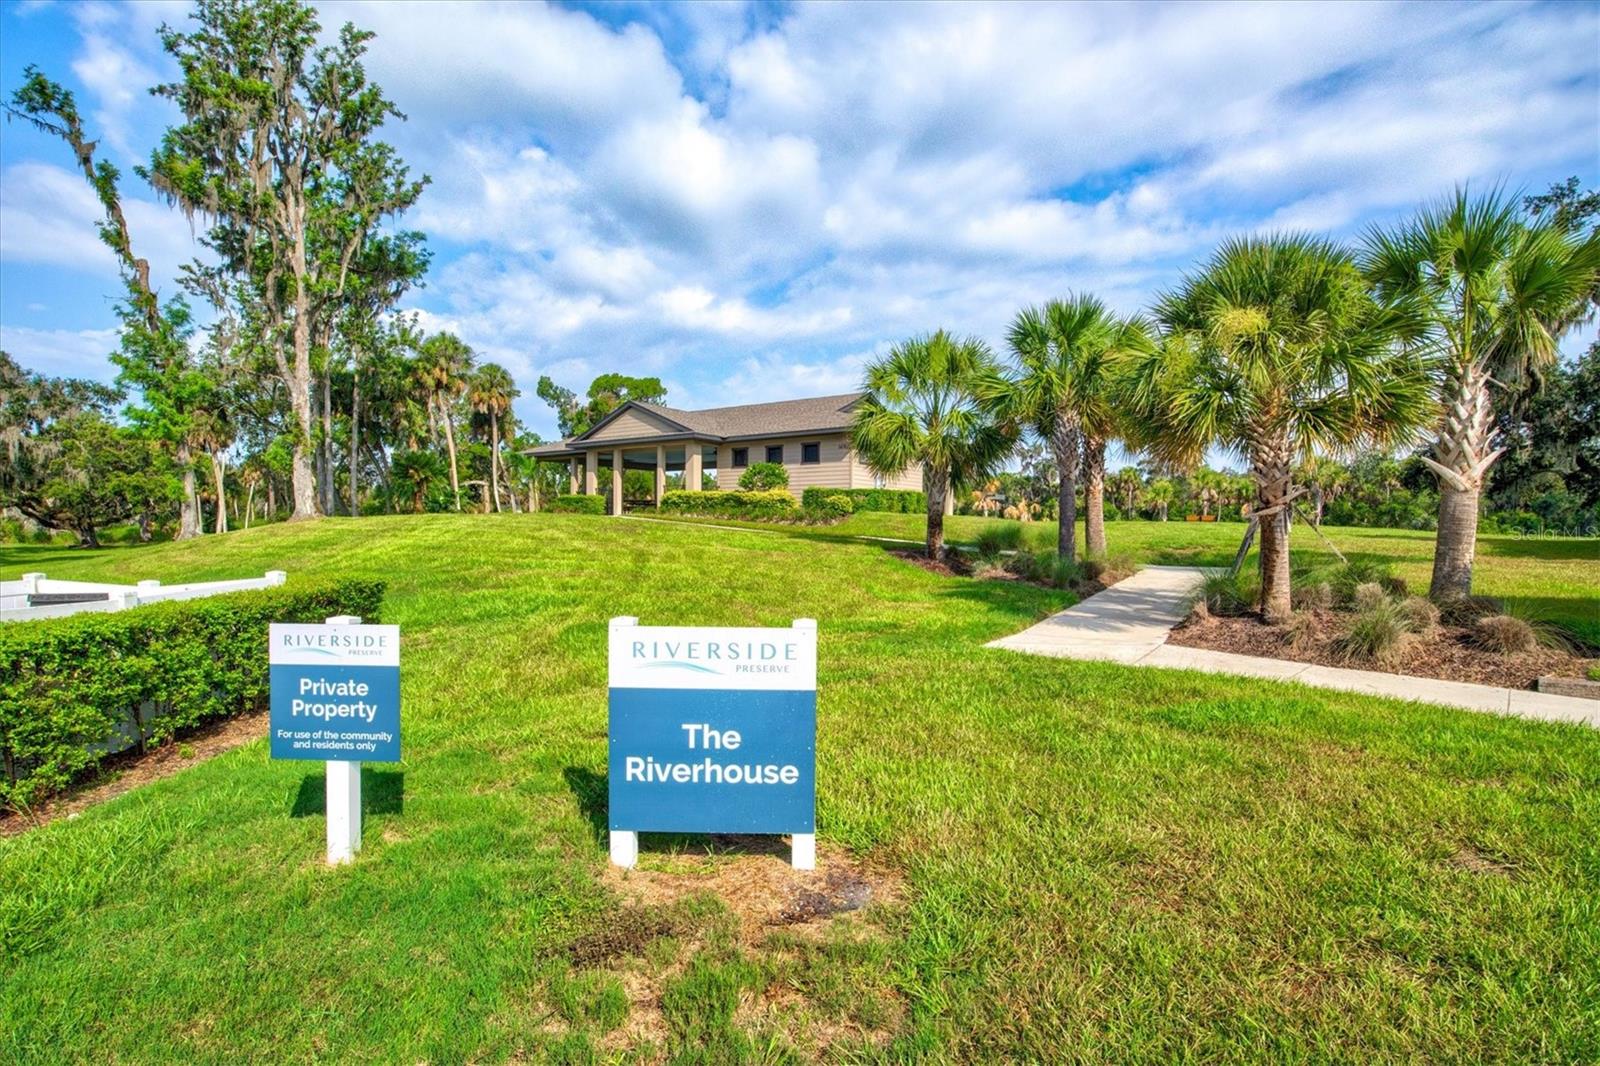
713,730
335,692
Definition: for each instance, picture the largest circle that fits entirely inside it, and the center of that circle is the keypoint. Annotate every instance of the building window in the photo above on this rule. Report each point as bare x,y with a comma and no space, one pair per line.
775,453
741,457
811,453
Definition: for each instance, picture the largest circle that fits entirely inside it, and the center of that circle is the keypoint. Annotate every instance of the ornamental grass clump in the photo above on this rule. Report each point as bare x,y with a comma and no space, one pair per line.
1367,595
1467,610
1378,634
996,540
1313,596
1505,634
1300,632
1421,613
1352,575
1225,595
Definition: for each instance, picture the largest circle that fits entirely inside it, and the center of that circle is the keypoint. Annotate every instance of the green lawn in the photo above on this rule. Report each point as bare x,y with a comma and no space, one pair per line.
1098,863
1551,579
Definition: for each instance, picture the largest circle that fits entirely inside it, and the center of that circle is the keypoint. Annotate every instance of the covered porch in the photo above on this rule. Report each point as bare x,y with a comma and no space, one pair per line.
590,468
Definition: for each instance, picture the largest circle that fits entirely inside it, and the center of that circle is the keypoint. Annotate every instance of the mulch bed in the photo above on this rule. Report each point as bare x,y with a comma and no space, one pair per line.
1448,653
130,769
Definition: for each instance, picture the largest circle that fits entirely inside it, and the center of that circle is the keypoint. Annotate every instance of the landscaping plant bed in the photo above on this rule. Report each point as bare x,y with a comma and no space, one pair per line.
1448,652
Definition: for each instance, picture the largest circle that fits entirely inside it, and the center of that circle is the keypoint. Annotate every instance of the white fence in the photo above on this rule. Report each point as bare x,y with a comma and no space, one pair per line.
16,597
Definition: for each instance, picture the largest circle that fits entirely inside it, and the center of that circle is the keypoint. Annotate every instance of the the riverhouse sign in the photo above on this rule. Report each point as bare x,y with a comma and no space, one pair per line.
713,731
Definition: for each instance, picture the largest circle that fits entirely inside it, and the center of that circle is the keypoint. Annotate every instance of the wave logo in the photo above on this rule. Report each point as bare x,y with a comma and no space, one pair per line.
310,649
678,664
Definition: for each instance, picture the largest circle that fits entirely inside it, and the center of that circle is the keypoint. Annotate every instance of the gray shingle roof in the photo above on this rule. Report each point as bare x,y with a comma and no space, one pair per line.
812,415
816,414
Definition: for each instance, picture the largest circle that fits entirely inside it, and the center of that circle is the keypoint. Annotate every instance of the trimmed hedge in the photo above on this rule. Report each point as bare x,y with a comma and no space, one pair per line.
577,505
894,501
74,690
775,504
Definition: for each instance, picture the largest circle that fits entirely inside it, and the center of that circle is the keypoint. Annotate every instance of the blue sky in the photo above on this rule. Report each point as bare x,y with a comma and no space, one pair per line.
749,200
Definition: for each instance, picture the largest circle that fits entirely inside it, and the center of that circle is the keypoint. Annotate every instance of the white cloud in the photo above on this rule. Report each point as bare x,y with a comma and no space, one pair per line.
62,352
746,202
49,215
114,75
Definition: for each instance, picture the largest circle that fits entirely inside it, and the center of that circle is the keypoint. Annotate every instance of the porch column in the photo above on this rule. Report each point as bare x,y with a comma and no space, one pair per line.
591,473
616,481
661,473
572,479
691,466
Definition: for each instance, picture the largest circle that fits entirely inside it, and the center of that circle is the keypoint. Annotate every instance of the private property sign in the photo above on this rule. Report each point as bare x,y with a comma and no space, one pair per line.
335,692
712,730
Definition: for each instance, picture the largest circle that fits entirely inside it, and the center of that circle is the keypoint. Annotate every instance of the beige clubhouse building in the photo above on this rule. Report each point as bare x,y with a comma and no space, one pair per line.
811,438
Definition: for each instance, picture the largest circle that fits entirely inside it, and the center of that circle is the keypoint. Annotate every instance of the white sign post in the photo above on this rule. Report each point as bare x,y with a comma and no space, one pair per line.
343,784
336,692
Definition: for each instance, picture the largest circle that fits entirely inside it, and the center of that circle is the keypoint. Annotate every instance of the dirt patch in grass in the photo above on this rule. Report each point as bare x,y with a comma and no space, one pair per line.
1474,861
1448,653
761,890
127,771
952,565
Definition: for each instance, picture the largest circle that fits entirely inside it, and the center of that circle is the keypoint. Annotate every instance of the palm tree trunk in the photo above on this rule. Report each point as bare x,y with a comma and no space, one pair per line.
938,486
222,497
1064,442
1461,458
450,443
1273,472
494,459
249,502
1456,545
1094,496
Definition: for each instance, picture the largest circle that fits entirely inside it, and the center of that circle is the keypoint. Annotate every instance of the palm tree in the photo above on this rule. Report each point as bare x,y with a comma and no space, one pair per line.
1067,354
931,401
1127,486
1207,484
442,365
1326,478
1275,349
1161,494
1491,294
491,392
211,430
419,469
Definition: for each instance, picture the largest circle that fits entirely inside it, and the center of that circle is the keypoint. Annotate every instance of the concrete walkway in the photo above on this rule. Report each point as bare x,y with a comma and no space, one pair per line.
1129,622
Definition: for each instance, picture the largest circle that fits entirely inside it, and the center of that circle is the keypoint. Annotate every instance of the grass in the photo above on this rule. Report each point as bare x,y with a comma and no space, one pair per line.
1552,579
1099,862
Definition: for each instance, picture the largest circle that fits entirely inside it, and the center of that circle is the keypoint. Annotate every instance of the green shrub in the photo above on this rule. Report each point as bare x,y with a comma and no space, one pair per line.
764,477
568,504
1378,634
828,509
894,501
755,505
75,689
